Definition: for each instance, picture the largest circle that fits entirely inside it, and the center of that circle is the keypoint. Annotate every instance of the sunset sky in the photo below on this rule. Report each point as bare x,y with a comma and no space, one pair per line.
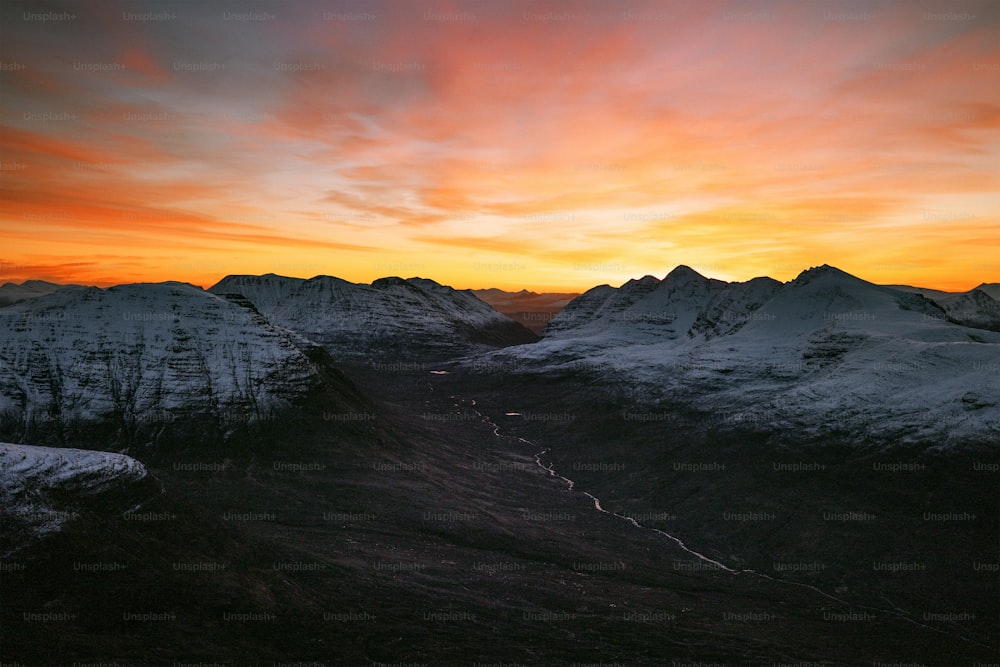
545,145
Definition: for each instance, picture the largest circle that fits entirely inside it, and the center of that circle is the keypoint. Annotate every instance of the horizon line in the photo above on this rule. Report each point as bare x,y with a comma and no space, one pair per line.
513,288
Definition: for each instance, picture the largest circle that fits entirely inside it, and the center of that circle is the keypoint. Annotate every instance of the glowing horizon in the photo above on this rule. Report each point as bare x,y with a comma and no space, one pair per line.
551,146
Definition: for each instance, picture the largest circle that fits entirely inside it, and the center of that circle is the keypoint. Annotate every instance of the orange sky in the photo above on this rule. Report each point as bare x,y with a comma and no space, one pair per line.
543,145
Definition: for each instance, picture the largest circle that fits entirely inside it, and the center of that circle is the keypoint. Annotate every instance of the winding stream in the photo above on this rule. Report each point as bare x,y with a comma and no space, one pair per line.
571,486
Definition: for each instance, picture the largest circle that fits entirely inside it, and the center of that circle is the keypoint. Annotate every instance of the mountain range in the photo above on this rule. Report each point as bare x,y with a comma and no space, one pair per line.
824,353
979,307
136,364
532,309
14,292
398,472
413,318
871,359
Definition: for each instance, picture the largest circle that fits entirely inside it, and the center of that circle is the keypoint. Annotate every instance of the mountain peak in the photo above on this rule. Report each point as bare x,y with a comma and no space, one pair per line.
39,283
684,272
821,271
646,280
390,281
231,282
267,276
427,283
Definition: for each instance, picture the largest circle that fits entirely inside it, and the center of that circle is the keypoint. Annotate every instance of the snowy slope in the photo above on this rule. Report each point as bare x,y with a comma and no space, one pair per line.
40,486
979,307
408,318
824,353
993,289
138,357
975,309
932,294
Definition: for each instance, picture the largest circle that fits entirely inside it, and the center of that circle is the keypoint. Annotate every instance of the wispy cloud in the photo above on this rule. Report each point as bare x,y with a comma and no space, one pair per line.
747,138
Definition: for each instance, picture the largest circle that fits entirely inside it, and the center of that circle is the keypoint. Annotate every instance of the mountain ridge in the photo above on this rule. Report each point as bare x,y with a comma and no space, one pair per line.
803,356
391,317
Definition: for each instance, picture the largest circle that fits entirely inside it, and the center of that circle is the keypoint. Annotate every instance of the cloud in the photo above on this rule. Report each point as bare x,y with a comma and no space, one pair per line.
773,134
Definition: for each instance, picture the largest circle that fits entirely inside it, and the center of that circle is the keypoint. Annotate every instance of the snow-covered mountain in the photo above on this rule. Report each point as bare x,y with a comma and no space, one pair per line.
138,359
932,294
979,307
41,487
824,353
12,292
993,289
975,308
413,318
682,305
